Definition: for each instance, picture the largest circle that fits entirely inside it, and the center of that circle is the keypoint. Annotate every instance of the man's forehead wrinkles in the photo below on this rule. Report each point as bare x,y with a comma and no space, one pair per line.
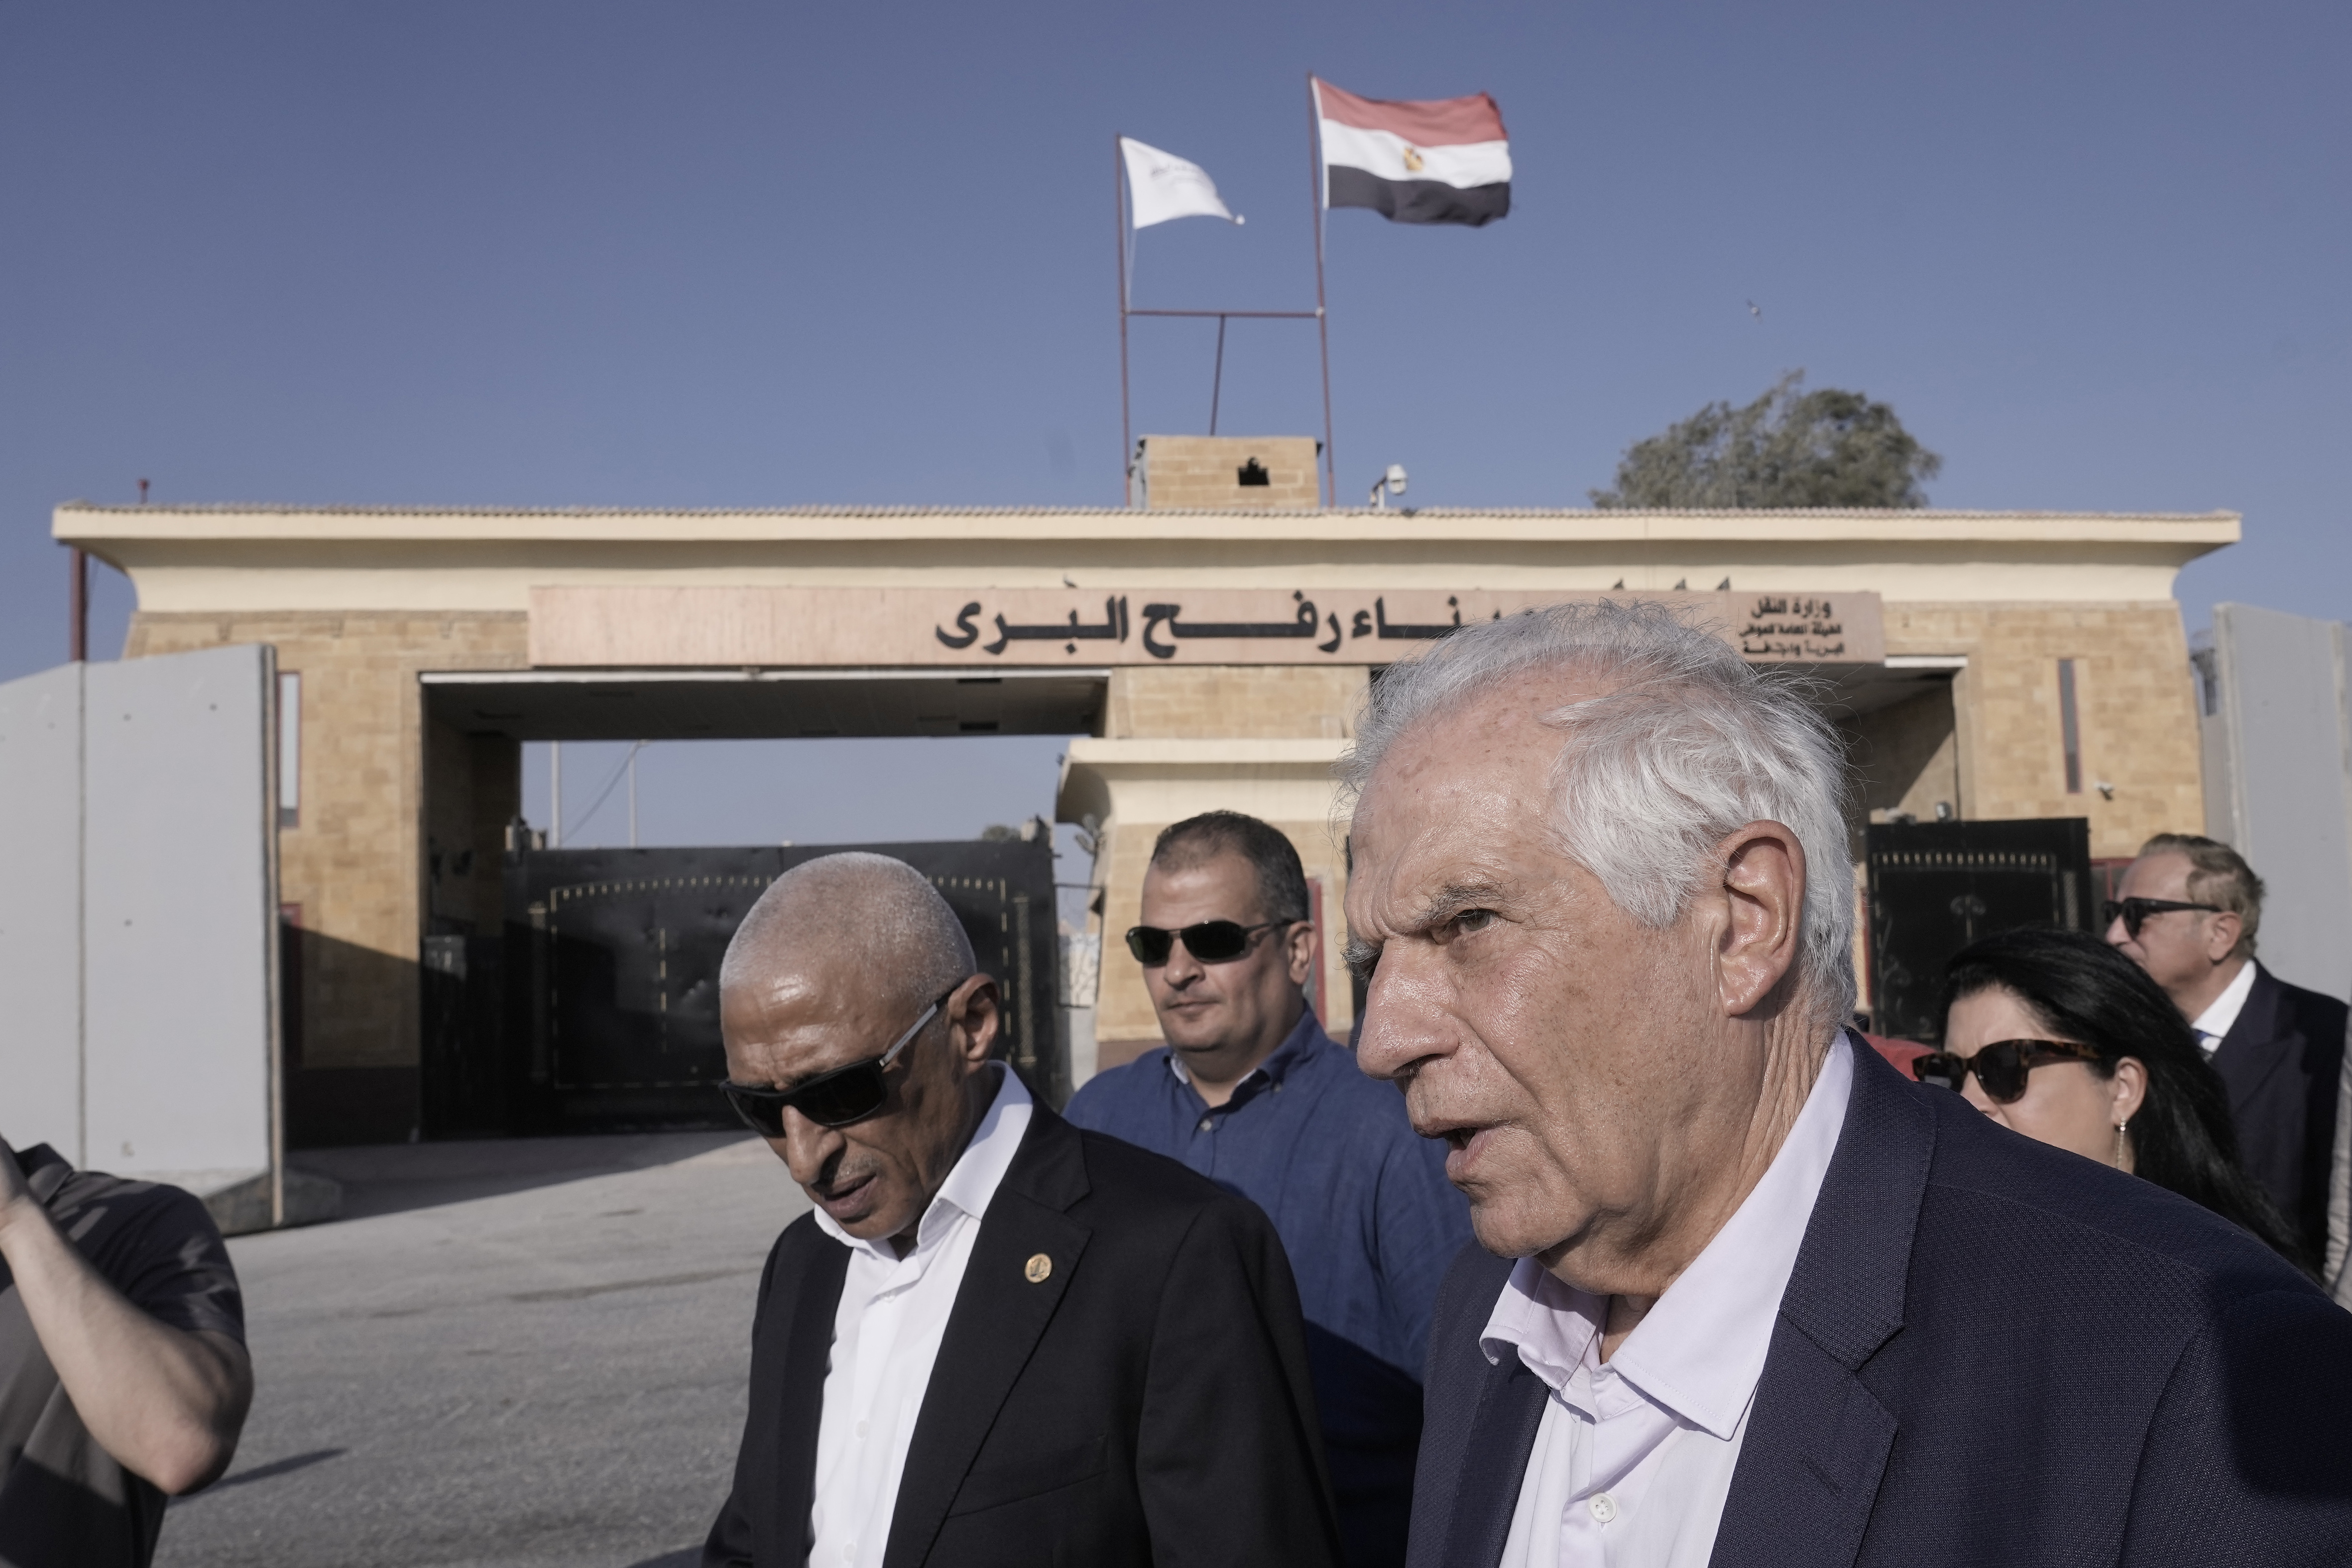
1457,894
787,1060
1443,891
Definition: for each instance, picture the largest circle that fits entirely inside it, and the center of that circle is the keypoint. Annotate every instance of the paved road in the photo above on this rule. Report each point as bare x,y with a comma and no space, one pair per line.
516,1354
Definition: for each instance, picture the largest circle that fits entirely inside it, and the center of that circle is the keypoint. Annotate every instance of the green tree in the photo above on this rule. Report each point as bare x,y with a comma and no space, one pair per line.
1789,448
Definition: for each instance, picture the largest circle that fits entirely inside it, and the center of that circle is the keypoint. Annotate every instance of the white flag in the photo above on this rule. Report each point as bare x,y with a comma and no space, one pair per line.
1165,186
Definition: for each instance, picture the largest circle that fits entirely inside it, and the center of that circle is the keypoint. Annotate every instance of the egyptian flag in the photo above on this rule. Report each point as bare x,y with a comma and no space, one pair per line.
1435,161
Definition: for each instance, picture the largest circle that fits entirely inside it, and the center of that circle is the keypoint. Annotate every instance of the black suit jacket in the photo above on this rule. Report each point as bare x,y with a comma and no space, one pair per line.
2281,1061
1991,1351
1146,1403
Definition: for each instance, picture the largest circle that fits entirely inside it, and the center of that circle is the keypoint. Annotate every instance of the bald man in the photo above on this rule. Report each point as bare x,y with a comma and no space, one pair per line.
996,1339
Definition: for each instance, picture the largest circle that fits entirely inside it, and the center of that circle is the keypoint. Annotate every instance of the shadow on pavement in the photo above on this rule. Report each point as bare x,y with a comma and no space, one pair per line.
393,1178
263,1473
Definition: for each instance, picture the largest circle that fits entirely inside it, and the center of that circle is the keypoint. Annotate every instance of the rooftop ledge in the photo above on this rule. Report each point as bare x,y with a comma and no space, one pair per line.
79,522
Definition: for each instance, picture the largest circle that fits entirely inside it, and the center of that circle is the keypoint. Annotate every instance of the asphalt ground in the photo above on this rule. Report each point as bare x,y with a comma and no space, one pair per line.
515,1355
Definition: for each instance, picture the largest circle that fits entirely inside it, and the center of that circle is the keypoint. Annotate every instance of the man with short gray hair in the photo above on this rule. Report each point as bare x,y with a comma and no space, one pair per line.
2187,911
1746,1294
998,1340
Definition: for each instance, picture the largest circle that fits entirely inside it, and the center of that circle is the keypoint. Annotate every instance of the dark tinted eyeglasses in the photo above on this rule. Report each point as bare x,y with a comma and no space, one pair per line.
2134,912
2001,1067
833,1099
1211,941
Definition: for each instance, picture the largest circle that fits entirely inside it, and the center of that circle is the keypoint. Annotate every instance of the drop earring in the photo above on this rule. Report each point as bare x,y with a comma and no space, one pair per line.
2119,1143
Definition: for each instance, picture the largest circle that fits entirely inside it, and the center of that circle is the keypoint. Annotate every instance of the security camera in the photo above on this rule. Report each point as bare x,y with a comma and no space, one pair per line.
1391,483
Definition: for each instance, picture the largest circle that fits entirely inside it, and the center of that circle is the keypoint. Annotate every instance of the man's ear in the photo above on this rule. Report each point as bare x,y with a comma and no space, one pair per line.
974,1018
1301,941
1763,932
2221,935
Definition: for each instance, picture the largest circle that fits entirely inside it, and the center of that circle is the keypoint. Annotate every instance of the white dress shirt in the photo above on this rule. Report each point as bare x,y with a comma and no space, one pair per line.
1634,1456
885,1335
2213,1024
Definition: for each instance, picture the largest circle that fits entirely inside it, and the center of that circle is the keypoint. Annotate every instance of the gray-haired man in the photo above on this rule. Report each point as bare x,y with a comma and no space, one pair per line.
2187,911
1771,1302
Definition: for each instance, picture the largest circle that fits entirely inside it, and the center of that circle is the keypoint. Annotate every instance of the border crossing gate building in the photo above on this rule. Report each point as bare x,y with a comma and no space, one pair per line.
1208,649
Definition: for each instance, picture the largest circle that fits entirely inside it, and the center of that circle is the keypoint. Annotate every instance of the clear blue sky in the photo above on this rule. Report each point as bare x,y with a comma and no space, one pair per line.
2097,255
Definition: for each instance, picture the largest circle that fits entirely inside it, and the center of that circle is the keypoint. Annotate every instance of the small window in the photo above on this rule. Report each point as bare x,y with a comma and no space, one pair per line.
289,749
2070,726
1253,473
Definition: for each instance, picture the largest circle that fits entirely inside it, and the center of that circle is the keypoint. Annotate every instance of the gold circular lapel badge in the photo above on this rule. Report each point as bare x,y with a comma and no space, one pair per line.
1038,1270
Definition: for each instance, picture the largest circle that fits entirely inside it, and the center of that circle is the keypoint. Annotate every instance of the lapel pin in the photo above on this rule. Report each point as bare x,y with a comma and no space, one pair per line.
1038,1268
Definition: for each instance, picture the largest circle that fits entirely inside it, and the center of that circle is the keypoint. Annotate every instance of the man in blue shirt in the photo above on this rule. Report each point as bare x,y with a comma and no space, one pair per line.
1251,1093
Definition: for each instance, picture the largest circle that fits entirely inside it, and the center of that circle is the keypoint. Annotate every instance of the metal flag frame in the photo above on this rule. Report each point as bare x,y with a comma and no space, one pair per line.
1119,210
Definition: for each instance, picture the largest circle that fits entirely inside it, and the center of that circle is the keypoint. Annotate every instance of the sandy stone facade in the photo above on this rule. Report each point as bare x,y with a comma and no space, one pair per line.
2137,717
1214,702
1218,471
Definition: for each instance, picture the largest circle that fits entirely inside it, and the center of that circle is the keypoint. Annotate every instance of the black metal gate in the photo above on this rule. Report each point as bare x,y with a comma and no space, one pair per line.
1934,887
610,1010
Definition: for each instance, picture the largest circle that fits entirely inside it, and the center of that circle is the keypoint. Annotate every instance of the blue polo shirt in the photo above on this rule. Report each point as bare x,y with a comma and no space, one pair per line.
1367,1217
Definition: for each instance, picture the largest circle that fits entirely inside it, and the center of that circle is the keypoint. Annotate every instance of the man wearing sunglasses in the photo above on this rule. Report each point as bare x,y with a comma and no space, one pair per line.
2187,911
997,1340
1250,1092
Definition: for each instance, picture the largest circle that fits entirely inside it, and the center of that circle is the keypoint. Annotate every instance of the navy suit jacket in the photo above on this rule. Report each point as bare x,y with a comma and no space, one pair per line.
1991,1351
2281,1062
1122,1384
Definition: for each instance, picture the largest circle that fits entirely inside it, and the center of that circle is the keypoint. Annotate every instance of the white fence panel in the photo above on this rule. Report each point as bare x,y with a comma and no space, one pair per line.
2285,796
180,893
40,911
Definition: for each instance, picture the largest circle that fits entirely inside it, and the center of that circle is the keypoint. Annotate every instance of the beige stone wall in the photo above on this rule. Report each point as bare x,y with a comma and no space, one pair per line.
2138,717
1233,702
1205,471
353,862
1905,758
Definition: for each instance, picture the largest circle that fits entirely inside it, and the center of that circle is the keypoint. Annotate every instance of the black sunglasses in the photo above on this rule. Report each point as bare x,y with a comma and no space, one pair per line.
1211,941
833,1099
2134,912
2001,1067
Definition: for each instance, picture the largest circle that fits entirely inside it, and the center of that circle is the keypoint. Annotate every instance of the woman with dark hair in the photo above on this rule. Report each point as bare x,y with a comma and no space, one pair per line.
2056,1035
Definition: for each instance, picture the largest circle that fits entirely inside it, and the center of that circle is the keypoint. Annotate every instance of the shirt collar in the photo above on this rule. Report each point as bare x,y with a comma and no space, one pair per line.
1701,1350
1551,1324
1305,1038
973,1181
2216,1021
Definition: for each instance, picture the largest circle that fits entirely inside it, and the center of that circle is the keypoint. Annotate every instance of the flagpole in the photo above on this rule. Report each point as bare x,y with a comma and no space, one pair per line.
1126,425
1217,378
1322,320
